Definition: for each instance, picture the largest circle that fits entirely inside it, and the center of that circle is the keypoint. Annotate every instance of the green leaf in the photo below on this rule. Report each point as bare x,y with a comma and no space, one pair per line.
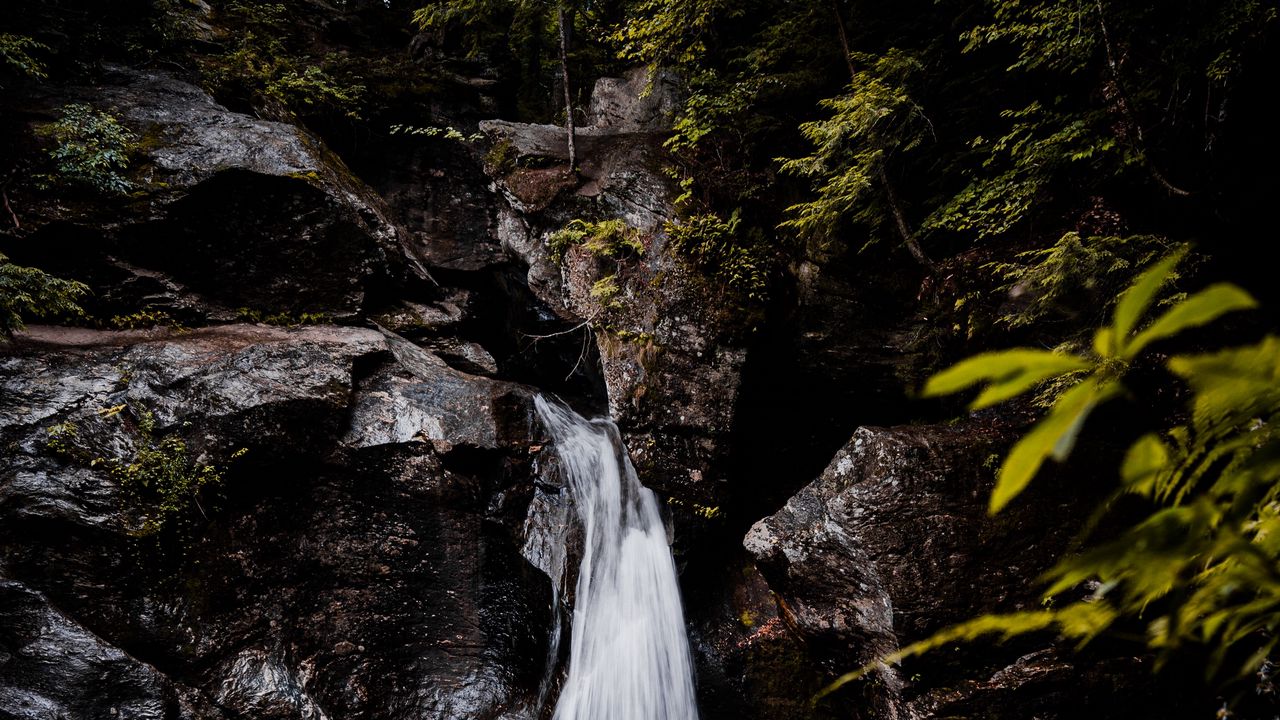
1054,436
1001,390
1146,457
1234,382
1002,366
1202,307
1135,301
1104,342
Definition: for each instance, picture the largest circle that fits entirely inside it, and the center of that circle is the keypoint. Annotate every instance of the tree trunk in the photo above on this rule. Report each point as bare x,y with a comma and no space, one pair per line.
1127,112
900,219
844,40
568,93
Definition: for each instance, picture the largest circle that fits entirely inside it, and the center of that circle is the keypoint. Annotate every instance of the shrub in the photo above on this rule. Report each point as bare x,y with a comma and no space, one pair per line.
261,68
162,483
16,53
1072,274
90,150
501,158
144,319
28,291
284,319
606,292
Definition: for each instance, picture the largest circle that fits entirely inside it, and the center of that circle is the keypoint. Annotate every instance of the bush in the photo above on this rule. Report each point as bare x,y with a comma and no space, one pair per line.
91,150
28,291
501,158
1074,273
143,319
606,292
16,53
280,81
162,483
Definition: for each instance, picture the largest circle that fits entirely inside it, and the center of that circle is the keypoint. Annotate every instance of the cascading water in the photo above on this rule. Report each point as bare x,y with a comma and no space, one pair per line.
629,655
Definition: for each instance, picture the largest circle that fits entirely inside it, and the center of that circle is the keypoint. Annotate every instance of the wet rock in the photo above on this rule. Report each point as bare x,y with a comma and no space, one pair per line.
750,664
1050,683
361,561
422,399
893,543
261,686
229,212
890,543
416,320
899,514
670,343
438,193
52,667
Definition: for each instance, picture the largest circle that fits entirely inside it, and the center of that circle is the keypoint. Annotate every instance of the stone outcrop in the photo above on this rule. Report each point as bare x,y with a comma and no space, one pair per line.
361,560
670,344
228,212
893,543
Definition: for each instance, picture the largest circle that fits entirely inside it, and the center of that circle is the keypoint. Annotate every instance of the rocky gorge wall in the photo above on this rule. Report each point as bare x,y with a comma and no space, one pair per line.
363,553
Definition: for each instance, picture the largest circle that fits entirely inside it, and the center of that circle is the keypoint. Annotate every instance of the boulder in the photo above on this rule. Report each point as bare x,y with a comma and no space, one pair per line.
750,664
893,543
359,556
229,214
637,102
52,667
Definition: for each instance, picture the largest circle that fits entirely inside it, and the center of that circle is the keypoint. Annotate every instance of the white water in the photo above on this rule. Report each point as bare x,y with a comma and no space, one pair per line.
629,655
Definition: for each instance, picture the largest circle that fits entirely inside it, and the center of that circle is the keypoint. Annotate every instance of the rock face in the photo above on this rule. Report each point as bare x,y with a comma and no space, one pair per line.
671,350
362,559
751,663
91,678
893,543
638,102
245,521
228,212
893,514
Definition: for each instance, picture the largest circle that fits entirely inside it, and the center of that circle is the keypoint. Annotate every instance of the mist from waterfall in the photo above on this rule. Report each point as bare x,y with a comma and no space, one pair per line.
629,654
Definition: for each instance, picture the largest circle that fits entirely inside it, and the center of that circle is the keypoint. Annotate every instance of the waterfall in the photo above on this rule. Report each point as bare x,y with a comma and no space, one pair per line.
628,655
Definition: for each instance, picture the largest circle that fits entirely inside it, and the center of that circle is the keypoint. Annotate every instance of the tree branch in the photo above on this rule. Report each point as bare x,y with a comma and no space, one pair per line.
12,215
900,220
1126,108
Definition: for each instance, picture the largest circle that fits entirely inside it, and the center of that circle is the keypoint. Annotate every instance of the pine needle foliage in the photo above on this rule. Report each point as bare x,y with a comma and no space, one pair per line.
606,238
1076,275
264,67
723,251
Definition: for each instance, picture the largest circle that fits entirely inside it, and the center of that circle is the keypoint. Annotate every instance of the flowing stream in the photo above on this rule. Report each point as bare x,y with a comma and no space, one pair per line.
629,655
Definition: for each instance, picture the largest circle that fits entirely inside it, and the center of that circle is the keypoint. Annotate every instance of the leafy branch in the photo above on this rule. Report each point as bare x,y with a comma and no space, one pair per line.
1009,373
1203,566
